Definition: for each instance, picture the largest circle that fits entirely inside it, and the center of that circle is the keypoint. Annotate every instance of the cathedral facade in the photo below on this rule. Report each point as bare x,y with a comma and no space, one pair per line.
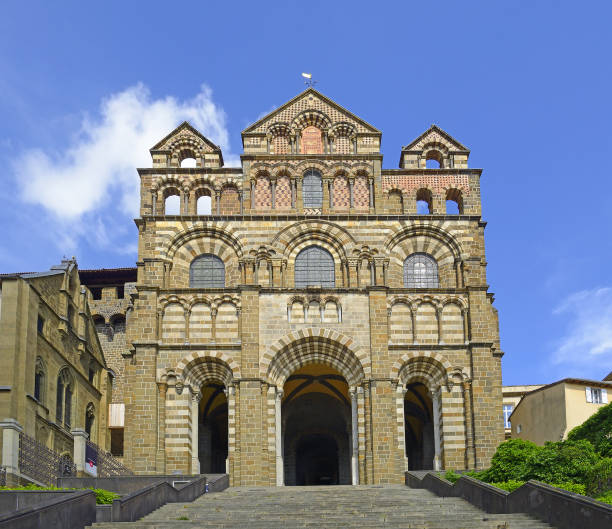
309,317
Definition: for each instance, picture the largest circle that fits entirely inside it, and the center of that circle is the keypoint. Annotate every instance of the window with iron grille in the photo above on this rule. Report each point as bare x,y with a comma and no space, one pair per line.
314,266
207,271
420,271
312,189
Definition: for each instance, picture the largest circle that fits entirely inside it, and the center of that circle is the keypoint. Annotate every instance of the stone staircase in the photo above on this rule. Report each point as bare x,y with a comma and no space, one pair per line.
393,506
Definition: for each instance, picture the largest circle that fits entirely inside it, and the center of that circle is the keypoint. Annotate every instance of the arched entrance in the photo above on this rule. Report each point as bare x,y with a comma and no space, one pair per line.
317,375
422,376
419,428
316,413
212,424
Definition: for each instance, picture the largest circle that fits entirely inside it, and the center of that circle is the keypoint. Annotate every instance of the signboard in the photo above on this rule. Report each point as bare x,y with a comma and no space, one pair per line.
91,460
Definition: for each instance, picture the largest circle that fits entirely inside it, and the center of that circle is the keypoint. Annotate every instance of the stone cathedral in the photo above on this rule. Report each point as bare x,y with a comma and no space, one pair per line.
308,317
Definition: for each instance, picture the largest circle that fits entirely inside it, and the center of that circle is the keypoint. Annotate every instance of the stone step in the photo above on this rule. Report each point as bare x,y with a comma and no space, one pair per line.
341,507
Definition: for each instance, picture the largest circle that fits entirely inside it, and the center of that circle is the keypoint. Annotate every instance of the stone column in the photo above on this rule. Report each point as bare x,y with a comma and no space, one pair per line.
252,194
240,198
273,186
154,203
10,445
293,193
160,460
351,183
435,399
79,437
217,202
354,438
230,393
371,197
280,471
400,397
195,425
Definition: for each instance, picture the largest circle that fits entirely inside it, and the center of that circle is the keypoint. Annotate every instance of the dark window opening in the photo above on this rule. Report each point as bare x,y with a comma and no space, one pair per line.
91,375
40,324
120,292
96,293
116,447
38,382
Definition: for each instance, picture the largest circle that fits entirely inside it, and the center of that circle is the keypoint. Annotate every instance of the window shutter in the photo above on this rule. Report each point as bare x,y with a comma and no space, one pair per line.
604,396
589,395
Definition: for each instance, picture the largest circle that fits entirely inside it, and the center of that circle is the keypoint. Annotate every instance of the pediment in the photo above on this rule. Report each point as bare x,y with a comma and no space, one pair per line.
435,135
310,102
185,134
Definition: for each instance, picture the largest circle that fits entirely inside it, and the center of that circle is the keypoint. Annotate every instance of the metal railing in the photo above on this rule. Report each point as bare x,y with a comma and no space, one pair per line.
109,466
41,464
2,477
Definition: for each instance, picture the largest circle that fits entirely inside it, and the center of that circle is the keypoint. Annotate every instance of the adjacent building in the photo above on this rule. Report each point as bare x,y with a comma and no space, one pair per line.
54,380
511,397
550,412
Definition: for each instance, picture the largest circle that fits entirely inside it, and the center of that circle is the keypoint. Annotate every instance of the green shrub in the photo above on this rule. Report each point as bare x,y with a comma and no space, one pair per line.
597,429
451,475
606,497
510,485
600,477
104,497
182,518
561,462
578,488
510,462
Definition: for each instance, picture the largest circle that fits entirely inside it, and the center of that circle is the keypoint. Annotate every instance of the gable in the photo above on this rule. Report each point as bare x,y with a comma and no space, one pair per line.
435,135
184,135
314,102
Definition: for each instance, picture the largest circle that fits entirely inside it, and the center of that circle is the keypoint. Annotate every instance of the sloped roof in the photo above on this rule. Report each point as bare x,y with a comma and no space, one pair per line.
301,95
434,129
185,125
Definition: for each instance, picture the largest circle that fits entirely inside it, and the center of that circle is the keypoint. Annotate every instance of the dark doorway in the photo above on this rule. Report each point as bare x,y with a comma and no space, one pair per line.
419,432
317,460
316,428
212,449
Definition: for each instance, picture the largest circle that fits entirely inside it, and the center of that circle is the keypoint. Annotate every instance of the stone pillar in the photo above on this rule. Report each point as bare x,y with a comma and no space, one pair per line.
293,193
435,399
371,197
230,393
273,186
241,199
351,183
470,450
10,445
352,271
195,425
160,459
217,202
330,185
79,437
354,438
280,470
154,203
400,398
252,194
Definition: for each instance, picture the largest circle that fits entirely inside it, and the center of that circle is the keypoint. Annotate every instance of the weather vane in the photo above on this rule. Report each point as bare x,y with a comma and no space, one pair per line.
309,82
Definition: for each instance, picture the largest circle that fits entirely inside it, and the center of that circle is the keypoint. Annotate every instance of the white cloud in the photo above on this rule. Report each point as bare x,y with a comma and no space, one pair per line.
589,329
97,169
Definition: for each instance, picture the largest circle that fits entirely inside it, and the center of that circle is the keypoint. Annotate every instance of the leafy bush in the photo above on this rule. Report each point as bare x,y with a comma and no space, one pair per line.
510,462
561,462
510,485
600,477
606,497
452,476
103,497
597,429
577,488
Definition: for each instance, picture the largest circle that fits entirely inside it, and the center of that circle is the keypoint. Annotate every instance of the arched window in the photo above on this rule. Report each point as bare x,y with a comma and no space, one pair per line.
314,266
63,404
454,202
207,271
90,417
424,202
39,380
420,271
312,189
172,205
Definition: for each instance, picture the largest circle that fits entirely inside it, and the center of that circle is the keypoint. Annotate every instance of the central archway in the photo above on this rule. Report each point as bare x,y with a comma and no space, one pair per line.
316,373
316,441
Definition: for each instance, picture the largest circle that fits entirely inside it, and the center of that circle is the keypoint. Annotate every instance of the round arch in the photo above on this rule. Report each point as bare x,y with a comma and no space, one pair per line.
200,367
211,230
315,346
432,369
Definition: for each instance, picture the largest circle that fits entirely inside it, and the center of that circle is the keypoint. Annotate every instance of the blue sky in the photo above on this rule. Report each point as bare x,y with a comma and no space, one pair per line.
86,88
